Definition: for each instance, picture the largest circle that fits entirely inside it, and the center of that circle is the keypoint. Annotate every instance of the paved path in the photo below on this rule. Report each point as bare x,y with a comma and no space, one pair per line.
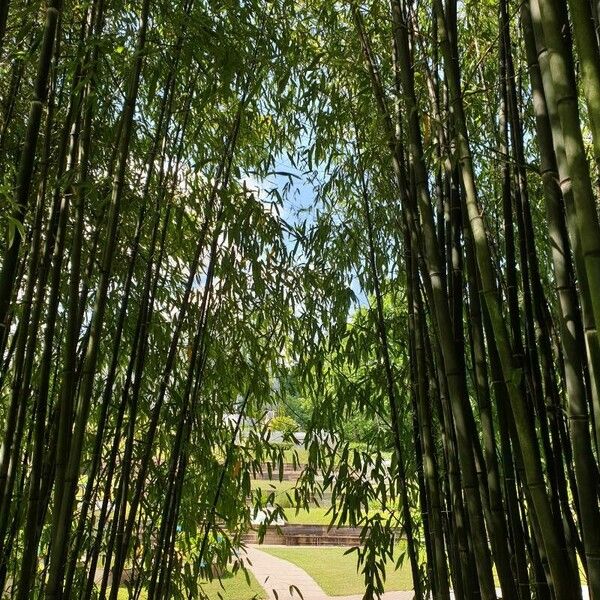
277,575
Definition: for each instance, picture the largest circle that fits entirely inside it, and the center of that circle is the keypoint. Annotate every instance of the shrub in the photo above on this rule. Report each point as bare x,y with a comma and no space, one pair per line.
283,423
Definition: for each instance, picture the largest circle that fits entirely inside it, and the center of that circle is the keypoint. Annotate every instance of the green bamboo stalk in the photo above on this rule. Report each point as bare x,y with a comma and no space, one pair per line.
585,467
27,161
562,82
382,331
62,525
563,577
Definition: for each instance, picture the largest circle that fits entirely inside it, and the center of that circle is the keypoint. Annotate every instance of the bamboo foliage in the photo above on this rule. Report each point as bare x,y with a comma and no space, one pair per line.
382,214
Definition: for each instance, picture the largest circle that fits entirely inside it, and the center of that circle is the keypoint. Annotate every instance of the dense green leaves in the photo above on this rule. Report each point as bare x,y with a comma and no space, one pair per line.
377,220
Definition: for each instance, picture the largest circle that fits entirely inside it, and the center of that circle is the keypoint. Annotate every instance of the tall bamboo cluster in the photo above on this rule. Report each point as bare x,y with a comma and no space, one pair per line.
156,278
502,304
137,270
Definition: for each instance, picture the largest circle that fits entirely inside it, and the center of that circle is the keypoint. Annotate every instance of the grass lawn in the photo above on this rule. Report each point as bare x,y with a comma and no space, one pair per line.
315,516
335,572
300,452
271,485
124,594
235,587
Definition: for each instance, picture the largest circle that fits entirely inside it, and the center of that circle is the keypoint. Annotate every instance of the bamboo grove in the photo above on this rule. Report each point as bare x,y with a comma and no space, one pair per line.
388,209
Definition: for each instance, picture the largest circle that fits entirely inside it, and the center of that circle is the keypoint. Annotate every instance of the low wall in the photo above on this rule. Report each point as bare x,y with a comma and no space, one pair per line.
307,535
289,473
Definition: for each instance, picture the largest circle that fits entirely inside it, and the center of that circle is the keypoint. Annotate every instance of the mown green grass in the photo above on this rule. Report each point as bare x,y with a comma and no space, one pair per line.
234,587
336,572
315,516
300,452
231,587
271,485
124,594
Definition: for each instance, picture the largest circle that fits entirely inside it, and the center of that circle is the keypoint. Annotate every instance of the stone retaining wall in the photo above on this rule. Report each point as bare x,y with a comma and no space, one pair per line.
307,535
